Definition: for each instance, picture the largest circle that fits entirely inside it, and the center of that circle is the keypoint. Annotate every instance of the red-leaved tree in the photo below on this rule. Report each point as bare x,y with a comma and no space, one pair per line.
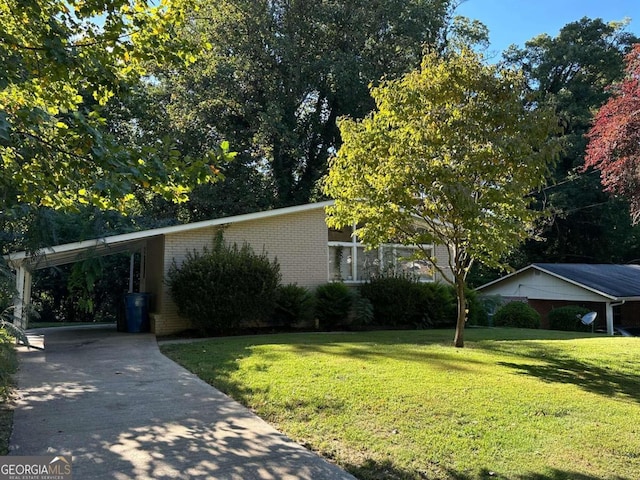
614,139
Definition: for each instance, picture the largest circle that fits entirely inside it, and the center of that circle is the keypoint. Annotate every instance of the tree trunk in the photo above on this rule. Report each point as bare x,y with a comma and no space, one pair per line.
462,314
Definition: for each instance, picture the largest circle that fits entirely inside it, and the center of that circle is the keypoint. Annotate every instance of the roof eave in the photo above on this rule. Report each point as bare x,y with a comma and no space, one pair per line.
17,258
497,280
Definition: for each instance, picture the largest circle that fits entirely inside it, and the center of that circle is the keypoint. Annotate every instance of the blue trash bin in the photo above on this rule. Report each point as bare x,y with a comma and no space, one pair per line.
137,312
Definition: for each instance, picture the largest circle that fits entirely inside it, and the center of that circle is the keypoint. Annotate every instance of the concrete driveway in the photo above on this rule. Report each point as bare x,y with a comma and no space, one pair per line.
125,411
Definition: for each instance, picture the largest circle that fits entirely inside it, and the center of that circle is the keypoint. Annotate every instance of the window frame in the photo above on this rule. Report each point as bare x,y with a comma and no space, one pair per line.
353,247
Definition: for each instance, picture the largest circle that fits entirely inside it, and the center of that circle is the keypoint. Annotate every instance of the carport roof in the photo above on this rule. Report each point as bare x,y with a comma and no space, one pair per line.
617,282
128,242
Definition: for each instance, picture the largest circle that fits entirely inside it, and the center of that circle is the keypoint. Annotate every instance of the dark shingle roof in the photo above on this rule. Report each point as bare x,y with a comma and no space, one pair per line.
614,280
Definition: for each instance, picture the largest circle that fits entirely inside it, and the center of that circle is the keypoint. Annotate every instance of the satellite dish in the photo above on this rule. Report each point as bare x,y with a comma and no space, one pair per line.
589,318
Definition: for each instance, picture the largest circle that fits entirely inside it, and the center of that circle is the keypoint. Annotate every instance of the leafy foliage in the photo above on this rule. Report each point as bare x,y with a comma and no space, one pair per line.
10,334
8,362
7,286
614,139
294,305
225,289
333,304
361,311
450,157
61,69
401,301
477,308
568,319
92,289
279,73
516,314
570,72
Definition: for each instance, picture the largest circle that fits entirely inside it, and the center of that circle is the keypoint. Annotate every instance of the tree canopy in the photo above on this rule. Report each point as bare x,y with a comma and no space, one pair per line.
279,74
450,156
614,139
570,72
63,63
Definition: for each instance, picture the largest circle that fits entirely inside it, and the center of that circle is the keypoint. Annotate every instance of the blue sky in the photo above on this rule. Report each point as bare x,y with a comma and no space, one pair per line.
516,21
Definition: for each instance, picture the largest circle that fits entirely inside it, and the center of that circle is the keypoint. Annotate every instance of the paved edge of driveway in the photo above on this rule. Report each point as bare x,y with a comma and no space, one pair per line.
125,411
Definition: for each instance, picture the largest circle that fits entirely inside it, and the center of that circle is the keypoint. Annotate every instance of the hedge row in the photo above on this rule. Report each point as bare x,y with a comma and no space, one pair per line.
229,288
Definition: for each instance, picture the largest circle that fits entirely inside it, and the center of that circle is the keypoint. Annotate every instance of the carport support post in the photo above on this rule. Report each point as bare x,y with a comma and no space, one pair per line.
23,297
609,318
132,262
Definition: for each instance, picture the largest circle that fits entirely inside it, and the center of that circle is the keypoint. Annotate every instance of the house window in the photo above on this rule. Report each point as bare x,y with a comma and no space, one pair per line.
349,261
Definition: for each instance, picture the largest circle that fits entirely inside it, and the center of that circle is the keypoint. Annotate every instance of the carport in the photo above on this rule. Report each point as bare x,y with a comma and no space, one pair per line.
24,263
297,236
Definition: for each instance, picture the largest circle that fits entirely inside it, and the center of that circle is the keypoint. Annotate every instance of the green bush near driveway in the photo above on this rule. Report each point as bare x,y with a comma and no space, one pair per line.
226,288
8,363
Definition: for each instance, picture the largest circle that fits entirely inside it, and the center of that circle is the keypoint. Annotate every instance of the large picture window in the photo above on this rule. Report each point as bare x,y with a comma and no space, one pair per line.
349,261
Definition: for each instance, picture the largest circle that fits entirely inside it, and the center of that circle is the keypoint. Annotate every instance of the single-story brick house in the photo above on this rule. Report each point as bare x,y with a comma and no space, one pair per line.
308,252
613,291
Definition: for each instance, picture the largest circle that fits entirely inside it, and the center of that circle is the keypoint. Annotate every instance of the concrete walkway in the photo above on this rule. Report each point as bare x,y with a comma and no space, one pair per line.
125,411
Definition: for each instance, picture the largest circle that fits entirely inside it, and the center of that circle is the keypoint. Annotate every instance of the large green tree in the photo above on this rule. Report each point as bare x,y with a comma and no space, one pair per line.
140,119
63,62
571,72
450,156
279,73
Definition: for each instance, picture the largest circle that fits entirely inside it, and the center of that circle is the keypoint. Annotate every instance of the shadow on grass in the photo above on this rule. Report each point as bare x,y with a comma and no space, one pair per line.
554,365
588,377
386,470
551,365
224,357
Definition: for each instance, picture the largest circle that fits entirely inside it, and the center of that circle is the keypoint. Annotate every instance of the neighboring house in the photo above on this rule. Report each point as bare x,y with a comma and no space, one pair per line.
613,291
308,252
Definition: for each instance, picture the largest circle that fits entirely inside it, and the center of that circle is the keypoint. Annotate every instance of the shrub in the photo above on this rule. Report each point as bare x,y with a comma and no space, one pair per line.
397,300
333,304
8,363
568,319
402,301
224,289
490,304
516,314
477,310
361,311
293,305
441,307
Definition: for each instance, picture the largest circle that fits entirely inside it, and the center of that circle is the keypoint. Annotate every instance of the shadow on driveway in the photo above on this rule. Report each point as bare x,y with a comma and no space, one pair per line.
125,411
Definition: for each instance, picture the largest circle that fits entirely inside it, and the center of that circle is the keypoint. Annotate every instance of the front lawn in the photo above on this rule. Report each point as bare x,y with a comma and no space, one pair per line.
513,404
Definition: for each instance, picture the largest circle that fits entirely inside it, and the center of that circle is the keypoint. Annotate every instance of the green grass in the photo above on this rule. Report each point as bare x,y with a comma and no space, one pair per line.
513,404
